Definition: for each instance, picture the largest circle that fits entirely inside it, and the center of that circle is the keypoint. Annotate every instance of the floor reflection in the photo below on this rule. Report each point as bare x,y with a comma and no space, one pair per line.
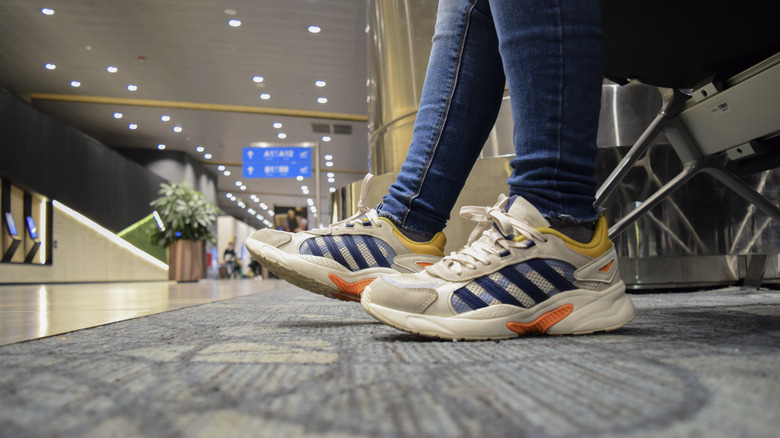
34,311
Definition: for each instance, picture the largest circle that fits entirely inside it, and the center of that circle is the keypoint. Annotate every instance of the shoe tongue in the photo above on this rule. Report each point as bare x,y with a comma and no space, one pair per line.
521,209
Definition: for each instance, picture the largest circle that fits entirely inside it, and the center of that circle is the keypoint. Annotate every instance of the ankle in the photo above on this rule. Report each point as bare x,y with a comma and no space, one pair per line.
580,231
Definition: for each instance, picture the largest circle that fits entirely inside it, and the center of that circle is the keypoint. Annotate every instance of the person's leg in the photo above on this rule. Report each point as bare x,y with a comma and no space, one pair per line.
552,56
461,97
521,273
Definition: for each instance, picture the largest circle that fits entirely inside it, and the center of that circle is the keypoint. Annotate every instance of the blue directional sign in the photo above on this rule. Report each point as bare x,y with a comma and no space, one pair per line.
277,162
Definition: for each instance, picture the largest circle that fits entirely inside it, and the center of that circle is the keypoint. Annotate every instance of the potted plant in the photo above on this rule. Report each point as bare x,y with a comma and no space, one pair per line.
187,217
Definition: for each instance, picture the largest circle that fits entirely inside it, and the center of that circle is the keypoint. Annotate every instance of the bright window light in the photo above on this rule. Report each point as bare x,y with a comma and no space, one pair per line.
109,235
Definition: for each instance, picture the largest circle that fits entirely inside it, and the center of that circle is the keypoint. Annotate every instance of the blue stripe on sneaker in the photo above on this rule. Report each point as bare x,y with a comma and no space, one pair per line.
469,298
524,284
354,251
493,289
334,251
315,249
551,275
371,245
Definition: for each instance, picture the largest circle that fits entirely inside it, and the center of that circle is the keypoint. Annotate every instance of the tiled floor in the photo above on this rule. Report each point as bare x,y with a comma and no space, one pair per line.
35,311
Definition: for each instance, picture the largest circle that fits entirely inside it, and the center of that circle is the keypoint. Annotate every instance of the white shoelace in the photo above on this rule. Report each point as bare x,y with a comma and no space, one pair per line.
363,210
487,239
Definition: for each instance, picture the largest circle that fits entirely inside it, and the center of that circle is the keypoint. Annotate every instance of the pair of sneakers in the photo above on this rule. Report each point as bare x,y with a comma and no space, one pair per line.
515,276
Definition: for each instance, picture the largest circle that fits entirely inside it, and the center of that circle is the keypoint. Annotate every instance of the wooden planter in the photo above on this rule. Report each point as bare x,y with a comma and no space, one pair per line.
187,260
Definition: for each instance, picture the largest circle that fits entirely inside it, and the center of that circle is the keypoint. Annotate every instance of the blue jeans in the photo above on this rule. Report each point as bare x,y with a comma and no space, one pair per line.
549,53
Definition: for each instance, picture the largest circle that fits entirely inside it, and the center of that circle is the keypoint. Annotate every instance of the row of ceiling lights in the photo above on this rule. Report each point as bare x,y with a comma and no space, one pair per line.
200,149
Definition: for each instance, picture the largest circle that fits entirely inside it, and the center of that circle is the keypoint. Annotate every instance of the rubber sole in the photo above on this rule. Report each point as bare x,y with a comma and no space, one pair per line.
569,313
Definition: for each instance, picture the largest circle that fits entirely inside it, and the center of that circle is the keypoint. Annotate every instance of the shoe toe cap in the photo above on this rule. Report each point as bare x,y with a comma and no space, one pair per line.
271,237
412,300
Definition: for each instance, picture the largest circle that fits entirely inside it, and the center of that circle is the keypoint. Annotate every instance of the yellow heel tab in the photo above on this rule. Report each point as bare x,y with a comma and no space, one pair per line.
434,247
598,245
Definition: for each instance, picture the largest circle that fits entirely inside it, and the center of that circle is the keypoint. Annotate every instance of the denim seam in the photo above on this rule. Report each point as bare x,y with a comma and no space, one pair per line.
443,121
562,73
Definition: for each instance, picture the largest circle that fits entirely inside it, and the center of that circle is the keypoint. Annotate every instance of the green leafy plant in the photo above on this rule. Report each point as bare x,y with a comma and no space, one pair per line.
186,214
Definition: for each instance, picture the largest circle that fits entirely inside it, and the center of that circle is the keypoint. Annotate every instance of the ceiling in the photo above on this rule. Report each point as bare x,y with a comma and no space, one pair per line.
188,63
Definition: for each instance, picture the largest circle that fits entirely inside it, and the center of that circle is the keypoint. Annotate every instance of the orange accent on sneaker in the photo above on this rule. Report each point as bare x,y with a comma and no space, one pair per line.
349,291
542,323
607,267
424,264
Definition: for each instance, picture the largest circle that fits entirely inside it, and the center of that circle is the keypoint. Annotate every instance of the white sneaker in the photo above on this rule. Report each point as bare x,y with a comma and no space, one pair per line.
516,276
341,260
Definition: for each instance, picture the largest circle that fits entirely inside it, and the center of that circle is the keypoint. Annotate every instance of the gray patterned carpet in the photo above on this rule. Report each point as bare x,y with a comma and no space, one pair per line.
290,363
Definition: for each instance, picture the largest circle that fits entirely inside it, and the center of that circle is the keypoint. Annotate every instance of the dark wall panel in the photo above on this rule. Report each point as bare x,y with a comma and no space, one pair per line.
42,154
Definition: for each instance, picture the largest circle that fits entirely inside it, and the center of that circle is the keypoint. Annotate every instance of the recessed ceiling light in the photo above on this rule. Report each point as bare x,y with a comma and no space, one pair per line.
257,79
165,118
277,125
238,183
220,167
226,173
160,146
207,156
325,138
332,189
177,129
50,66
331,180
132,126
75,84
234,23
331,174
320,83
329,164
314,29
132,87
47,11
243,187
201,149
281,135
112,69
228,195
265,96
299,178
118,115
322,99
328,157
